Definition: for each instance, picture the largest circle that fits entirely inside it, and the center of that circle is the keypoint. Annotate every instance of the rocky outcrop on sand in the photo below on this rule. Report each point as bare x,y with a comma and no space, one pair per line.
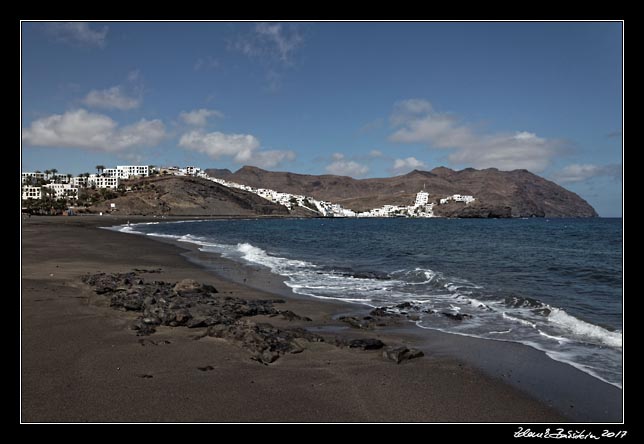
265,342
191,304
394,314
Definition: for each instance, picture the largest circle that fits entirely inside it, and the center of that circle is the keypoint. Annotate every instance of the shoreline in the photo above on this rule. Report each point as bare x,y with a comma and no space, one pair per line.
556,383
452,383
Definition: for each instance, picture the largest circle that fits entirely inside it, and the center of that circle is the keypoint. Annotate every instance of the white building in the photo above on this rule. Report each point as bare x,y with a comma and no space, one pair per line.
173,170
28,177
116,172
135,170
457,198
103,182
29,192
192,170
79,181
63,190
59,178
421,198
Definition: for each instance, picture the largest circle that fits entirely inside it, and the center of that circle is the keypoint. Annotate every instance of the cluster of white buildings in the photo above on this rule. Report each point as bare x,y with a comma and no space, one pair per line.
187,171
127,171
56,190
457,198
289,200
67,186
421,207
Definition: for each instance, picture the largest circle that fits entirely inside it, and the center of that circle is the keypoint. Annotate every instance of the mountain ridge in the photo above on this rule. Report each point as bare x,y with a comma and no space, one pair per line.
516,193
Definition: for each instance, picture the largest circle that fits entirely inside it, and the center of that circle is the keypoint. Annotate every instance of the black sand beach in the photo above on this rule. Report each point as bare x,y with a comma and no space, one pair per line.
82,362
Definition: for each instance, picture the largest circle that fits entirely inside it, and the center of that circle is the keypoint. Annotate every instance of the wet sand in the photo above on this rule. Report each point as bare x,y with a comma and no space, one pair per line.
81,362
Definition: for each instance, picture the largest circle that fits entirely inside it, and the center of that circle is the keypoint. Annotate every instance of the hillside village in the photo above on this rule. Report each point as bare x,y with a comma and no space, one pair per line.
50,191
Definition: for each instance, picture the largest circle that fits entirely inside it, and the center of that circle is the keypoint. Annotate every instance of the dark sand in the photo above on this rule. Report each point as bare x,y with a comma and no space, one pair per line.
80,361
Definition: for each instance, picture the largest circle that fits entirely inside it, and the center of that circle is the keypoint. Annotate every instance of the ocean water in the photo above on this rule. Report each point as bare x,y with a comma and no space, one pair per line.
553,284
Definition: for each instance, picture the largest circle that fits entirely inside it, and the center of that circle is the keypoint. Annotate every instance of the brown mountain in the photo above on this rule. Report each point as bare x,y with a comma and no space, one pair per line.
184,196
516,193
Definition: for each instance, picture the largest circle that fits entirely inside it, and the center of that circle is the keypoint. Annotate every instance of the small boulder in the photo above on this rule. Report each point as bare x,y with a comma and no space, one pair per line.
366,344
143,329
187,286
151,321
208,289
290,316
182,316
457,316
355,322
196,323
400,354
380,311
266,357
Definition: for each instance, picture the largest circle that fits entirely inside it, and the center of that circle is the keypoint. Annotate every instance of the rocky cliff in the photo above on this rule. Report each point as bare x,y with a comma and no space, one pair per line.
185,196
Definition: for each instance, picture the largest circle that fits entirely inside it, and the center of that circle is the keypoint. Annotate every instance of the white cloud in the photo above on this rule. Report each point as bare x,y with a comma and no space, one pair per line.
217,144
508,152
405,165
344,167
199,117
581,172
242,148
271,158
375,153
416,121
111,98
283,41
92,131
405,109
79,33
273,45
143,133
270,41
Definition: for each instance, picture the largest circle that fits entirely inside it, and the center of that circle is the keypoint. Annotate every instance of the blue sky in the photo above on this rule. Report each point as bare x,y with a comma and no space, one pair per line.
369,99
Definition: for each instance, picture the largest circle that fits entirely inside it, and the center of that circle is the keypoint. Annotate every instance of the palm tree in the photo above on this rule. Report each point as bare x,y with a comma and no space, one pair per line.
100,168
47,193
85,175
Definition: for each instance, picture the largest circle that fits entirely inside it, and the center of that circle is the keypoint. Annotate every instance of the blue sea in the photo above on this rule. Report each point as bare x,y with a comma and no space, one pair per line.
553,284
